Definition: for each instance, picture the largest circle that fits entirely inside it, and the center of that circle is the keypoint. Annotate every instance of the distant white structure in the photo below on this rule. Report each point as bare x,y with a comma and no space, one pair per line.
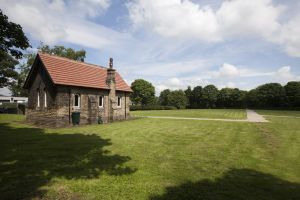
4,99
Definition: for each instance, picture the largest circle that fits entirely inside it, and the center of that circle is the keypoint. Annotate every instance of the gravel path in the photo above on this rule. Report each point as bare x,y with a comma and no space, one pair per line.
252,116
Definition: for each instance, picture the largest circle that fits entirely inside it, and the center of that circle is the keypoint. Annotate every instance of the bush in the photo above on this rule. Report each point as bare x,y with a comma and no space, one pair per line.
151,107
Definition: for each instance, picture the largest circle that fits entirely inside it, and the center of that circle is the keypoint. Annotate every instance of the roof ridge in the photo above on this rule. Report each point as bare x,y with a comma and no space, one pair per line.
74,61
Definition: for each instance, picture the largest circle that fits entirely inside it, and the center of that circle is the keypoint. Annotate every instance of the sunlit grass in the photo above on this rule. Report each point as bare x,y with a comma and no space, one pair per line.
195,113
151,159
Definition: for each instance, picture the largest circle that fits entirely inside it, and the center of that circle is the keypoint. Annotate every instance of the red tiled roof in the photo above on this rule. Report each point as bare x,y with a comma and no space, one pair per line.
64,71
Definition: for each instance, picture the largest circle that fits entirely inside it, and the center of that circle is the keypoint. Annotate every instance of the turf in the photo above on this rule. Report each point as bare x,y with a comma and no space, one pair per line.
151,159
196,113
279,113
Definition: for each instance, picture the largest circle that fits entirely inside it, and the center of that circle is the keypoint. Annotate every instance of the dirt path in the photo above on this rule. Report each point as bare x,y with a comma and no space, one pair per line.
252,116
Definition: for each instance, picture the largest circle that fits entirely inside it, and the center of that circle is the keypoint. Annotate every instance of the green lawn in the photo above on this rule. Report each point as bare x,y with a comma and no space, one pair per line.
151,159
279,113
196,113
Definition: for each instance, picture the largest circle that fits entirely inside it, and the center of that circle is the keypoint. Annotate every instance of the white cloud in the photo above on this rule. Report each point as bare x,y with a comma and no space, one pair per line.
92,7
166,69
175,18
284,75
64,21
227,71
289,37
187,20
240,78
240,17
230,85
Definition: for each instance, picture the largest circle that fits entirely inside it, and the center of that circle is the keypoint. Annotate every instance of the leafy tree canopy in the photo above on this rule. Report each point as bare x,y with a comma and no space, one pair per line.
196,99
292,90
189,95
210,95
177,99
271,95
64,52
163,97
12,37
12,42
143,92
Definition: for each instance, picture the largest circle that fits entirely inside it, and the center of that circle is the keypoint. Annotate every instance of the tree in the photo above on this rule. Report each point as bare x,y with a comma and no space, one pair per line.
163,97
12,41
251,98
189,95
231,98
143,92
16,87
196,99
271,95
209,96
7,69
64,52
292,90
177,99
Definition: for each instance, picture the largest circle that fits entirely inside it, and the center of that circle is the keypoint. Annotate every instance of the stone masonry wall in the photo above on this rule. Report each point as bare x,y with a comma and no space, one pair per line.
42,115
86,94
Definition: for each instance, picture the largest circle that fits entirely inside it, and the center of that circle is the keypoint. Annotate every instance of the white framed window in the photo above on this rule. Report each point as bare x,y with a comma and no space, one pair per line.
100,102
45,99
38,99
119,101
77,101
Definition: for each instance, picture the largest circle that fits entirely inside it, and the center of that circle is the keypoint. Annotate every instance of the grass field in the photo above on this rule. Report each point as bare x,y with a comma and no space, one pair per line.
279,113
151,159
196,113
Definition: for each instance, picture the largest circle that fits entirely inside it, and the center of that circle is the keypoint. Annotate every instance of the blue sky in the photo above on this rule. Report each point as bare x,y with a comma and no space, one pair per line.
173,43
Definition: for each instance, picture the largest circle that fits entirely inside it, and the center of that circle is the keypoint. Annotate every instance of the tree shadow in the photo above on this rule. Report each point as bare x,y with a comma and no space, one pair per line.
244,184
30,158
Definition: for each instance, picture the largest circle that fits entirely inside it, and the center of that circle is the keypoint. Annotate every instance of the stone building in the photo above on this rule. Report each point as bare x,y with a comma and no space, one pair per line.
59,86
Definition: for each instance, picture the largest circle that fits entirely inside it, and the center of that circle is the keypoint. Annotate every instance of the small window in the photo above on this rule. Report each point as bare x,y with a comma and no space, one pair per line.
77,100
38,99
119,101
45,99
100,101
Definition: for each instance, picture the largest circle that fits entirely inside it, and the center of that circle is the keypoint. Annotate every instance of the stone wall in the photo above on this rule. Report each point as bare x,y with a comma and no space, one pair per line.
42,115
86,106
65,100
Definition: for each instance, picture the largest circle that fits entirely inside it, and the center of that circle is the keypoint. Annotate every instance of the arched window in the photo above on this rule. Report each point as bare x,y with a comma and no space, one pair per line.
119,101
77,100
45,98
100,101
38,98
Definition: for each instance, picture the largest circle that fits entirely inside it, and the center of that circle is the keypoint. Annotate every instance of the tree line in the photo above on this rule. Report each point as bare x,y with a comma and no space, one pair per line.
270,95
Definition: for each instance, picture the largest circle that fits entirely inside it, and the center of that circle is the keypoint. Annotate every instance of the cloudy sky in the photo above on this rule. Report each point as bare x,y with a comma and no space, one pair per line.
173,43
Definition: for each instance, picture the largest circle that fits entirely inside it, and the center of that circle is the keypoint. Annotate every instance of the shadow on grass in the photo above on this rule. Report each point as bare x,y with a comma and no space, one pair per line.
243,184
29,159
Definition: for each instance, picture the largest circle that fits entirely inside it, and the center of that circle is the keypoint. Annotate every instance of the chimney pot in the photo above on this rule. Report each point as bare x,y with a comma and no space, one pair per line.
111,63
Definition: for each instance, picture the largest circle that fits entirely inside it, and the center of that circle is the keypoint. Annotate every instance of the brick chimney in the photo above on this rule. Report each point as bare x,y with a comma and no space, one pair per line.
111,83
